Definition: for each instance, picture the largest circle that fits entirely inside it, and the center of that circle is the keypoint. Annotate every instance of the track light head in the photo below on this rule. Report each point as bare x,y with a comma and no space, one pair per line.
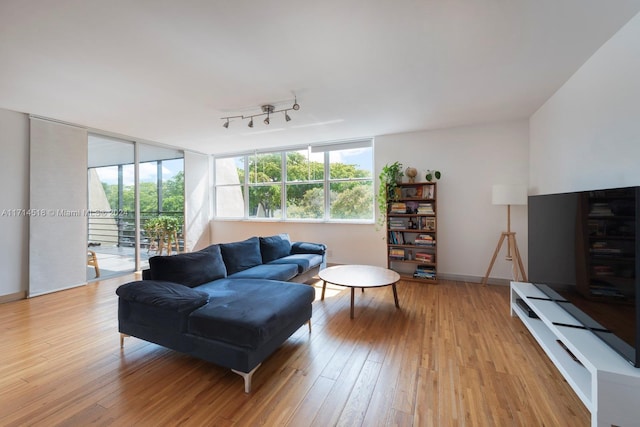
286,116
295,106
266,121
226,124
250,123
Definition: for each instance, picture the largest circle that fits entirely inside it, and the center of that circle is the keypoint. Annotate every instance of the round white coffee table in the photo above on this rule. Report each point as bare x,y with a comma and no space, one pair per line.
359,276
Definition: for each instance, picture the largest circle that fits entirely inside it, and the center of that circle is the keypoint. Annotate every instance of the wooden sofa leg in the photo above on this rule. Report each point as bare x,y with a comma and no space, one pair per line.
122,337
247,377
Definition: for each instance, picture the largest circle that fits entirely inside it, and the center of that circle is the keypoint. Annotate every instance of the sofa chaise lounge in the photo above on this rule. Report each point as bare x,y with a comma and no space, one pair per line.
232,304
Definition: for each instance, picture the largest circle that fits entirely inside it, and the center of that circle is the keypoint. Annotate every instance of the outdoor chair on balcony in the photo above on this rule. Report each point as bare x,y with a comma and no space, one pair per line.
92,261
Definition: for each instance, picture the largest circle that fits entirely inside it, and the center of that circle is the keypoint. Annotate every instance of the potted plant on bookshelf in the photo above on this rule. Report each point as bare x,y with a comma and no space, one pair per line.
389,177
432,175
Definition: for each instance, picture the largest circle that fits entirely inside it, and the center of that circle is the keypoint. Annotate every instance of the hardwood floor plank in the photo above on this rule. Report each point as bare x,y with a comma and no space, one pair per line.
451,355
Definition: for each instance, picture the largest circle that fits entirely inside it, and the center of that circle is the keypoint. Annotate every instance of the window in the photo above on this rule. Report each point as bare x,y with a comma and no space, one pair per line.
331,182
265,185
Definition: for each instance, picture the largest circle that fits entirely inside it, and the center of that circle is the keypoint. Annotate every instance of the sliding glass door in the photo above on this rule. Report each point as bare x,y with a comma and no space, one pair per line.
128,216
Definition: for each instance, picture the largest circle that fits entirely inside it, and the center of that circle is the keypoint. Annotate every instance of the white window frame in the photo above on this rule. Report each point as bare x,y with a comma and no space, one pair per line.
326,182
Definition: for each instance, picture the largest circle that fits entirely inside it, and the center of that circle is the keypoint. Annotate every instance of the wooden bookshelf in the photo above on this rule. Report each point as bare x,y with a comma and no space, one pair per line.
412,232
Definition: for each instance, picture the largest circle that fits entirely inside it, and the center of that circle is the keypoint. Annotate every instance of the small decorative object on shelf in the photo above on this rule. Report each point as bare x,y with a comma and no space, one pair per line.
411,173
411,231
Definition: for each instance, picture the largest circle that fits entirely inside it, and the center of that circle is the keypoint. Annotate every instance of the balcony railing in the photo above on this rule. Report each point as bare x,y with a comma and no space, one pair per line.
118,229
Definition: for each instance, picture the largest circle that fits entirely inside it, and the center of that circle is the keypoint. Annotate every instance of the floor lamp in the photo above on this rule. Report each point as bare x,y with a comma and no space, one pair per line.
509,195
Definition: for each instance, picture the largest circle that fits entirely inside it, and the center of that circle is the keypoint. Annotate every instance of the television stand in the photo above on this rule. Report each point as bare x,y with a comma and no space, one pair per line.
605,382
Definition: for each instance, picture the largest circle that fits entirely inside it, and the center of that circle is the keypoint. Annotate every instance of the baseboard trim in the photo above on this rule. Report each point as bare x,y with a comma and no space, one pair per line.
13,297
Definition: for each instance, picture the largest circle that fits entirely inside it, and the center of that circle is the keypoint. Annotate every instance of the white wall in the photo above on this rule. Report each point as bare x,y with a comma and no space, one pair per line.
587,135
197,203
14,175
471,159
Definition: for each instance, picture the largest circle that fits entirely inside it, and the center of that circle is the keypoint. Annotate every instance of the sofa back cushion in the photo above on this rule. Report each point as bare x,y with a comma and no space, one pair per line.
274,247
190,269
239,256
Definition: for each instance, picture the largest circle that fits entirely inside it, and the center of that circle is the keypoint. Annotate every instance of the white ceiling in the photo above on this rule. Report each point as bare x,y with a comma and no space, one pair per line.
166,71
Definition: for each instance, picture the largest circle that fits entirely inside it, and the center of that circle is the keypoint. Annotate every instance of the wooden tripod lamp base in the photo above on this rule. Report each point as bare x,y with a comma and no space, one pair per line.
518,268
509,195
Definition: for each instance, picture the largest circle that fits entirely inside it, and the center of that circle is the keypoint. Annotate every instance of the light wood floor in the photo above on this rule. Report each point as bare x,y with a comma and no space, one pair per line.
451,356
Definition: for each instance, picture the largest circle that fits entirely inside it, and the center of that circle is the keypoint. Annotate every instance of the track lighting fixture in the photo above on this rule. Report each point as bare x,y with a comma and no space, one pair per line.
267,110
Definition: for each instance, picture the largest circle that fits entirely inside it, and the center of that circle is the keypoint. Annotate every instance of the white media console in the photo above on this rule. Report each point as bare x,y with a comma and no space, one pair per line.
607,384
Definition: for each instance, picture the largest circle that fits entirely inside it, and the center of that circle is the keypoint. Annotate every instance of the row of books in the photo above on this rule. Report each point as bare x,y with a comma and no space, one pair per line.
396,238
423,272
419,223
396,253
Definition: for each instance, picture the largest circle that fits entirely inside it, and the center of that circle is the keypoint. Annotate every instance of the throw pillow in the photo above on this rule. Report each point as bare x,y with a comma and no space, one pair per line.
190,269
239,256
274,247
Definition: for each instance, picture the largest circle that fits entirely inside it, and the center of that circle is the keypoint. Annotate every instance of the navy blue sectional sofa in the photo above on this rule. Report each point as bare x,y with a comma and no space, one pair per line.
232,304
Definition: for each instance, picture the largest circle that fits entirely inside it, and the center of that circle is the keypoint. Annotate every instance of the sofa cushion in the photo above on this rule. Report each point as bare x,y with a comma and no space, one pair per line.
274,247
308,248
270,271
248,312
190,269
239,256
161,294
305,262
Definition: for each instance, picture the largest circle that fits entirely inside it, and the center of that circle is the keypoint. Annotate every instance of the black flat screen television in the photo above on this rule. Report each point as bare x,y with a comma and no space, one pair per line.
584,253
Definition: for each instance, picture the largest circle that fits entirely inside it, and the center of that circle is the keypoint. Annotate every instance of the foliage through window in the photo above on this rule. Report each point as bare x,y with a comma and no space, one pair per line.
324,182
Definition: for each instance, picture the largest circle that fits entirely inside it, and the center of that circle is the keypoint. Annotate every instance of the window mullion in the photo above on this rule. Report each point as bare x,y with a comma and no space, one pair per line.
283,187
327,191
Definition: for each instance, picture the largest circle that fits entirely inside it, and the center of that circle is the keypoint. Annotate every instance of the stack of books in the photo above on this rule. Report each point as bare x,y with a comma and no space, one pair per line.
423,272
424,257
602,248
396,224
398,207
425,209
396,253
600,209
424,240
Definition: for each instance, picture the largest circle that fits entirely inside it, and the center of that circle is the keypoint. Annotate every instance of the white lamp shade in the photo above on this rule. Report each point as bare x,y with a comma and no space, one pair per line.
509,195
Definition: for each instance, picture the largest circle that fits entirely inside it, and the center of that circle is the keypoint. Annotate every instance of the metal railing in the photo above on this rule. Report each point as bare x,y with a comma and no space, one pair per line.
118,229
